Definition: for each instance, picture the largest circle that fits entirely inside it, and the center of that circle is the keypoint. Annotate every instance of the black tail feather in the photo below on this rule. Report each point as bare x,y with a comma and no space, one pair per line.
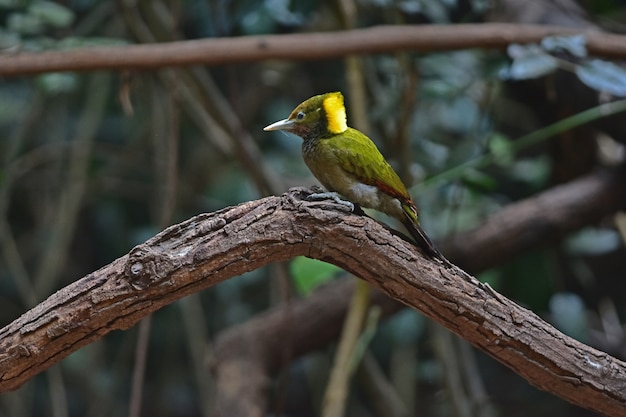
422,239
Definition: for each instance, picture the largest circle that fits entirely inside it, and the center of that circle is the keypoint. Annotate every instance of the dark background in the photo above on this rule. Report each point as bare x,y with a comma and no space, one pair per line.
93,164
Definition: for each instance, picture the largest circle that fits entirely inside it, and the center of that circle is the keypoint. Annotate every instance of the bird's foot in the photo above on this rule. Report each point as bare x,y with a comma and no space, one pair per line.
329,195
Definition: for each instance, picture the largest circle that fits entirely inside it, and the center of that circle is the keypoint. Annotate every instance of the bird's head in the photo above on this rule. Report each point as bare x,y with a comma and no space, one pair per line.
319,116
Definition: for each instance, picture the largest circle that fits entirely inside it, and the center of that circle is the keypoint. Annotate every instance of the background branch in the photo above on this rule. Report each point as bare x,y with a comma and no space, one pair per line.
424,38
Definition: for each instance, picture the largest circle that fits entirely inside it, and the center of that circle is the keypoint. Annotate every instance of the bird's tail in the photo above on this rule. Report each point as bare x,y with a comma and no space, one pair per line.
421,238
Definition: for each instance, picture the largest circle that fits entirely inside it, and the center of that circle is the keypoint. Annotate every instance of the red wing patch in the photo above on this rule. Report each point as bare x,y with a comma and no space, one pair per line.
389,190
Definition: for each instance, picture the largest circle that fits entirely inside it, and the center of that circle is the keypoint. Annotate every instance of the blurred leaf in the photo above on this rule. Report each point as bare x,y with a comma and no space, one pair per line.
533,171
478,181
409,6
262,19
575,45
37,44
450,73
258,21
569,315
25,24
9,42
434,153
437,88
502,149
603,76
593,242
459,115
53,14
54,83
309,274
529,61
436,11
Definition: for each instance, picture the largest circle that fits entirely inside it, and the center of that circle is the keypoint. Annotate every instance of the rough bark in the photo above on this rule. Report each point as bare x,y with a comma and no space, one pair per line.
210,248
424,38
269,339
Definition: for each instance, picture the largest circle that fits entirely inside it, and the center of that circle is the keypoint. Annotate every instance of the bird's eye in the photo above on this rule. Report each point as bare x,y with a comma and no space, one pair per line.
300,115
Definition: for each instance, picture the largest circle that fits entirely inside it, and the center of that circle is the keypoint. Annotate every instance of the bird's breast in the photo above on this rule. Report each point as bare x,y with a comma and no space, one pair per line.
327,167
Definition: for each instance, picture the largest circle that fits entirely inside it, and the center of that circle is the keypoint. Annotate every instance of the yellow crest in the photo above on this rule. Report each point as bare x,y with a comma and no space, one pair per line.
335,113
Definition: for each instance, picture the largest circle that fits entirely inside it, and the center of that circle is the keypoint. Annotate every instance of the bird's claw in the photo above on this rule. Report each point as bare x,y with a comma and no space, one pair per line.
331,196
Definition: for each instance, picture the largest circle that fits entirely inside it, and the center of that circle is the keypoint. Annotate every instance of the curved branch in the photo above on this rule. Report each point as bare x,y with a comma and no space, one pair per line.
211,248
259,346
308,46
539,220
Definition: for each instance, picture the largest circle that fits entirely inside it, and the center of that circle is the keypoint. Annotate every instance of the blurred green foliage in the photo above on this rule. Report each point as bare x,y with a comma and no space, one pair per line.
147,160
309,274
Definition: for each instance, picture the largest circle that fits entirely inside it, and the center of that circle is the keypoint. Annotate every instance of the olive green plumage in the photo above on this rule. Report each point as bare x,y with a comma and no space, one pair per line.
347,162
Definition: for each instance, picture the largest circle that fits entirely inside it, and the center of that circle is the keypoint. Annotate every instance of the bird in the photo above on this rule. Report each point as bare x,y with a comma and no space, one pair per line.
349,165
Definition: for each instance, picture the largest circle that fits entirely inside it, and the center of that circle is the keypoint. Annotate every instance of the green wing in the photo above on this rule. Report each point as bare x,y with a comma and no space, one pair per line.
360,157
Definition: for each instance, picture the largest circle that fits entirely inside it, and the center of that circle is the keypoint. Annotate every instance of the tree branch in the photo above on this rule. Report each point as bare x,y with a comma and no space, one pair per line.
424,38
211,248
536,221
257,346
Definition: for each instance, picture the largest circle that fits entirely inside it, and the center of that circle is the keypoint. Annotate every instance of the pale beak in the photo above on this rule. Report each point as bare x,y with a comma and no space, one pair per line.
280,125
